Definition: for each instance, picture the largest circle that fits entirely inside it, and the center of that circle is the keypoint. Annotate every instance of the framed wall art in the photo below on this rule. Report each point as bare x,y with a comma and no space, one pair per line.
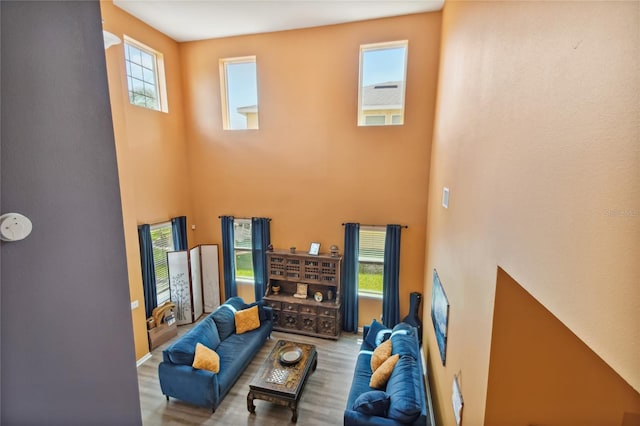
440,314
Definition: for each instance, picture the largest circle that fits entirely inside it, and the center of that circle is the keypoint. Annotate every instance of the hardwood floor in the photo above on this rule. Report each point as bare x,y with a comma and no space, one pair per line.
322,403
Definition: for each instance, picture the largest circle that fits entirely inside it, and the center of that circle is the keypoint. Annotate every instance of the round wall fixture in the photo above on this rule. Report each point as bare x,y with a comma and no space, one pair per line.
14,227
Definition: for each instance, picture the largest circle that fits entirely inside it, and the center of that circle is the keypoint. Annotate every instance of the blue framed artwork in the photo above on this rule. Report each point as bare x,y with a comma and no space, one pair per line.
440,314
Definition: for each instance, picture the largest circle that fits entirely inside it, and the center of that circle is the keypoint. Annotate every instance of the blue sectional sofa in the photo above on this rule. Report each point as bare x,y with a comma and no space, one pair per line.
405,400
178,379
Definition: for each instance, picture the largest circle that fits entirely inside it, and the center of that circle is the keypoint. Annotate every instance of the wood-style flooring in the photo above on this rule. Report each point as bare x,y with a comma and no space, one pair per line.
323,399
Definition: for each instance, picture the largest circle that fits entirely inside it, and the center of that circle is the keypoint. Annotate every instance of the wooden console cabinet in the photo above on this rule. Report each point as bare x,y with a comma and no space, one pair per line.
321,274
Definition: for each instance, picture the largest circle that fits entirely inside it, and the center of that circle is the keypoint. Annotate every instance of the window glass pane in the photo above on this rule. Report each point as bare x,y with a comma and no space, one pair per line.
396,119
142,82
374,120
162,241
240,81
371,259
382,82
242,249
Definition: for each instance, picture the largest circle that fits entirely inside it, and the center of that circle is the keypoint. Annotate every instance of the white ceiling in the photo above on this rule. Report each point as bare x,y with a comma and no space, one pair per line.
188,20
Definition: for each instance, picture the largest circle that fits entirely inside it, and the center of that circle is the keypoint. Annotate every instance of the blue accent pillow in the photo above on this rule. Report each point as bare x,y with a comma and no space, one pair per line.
225,320
372,403
377,334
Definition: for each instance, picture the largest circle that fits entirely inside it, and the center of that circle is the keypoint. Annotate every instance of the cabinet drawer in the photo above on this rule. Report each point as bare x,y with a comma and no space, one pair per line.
308,323
306,309
273,304
327,312
289,307
327,326
288,320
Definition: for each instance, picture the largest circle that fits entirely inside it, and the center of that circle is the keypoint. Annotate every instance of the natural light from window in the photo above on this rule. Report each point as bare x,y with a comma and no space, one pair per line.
239,93
381,92
242,250
162,242
145,76
371,260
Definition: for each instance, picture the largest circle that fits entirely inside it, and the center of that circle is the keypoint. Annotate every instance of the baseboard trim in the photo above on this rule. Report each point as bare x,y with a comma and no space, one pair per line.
144,359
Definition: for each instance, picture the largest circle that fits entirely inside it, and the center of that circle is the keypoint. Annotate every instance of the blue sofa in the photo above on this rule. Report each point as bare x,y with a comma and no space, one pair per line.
178,379
405,401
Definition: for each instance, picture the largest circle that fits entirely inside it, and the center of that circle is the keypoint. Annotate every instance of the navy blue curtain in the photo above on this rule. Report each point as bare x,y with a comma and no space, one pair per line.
148,271
179,232
350,277
260,239
391,277
228,258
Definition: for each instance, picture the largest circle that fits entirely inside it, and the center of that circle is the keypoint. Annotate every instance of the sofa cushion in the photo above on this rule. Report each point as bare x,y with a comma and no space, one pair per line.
381,354
224,318
403,328
380,377
377,334
183,350
247,320
206,359
405,405
405,344
372,403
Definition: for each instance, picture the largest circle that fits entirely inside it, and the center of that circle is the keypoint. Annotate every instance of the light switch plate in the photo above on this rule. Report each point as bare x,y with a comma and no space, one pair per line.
445,197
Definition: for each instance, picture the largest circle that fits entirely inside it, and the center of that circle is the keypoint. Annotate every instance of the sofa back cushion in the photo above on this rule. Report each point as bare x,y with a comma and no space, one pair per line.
225,320
405,403
405,344
184,349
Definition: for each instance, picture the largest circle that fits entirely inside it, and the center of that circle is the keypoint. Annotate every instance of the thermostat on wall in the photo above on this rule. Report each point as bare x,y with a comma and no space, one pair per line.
14,227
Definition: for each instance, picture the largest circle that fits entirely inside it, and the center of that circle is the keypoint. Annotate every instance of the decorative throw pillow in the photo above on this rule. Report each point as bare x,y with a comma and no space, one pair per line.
372,403
381,376
206,359
380,355
247,320
376,334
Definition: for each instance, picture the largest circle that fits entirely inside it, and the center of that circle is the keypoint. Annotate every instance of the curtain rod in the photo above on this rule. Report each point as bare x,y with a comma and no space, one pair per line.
380,226
220,217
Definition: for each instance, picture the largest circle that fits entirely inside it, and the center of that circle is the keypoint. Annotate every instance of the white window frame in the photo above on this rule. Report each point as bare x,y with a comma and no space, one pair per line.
165,294
224,91
382,46
242,250
363,259
160,79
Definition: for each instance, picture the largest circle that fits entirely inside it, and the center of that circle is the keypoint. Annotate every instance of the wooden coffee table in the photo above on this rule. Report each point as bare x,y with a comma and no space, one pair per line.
283,374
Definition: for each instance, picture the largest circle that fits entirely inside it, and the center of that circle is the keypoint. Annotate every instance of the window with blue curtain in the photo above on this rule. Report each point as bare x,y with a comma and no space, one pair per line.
391,277
260,239
350,277
228,257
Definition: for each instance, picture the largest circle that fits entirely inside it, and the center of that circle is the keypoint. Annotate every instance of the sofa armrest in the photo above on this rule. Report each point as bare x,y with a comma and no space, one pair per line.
268,310
199,387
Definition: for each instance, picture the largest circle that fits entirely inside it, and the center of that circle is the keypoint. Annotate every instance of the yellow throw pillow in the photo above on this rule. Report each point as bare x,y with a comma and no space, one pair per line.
381,376
247,320
380,354
206,359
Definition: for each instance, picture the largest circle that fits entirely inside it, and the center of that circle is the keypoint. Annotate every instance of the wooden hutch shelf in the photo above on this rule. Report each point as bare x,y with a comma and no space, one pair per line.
321,275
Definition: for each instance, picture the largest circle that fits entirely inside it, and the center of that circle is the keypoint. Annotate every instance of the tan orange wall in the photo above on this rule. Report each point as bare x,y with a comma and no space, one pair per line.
151,150
541,373
536,136
310,167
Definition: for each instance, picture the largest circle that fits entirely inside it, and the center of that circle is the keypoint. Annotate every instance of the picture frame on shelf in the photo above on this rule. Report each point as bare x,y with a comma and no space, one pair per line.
314,249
